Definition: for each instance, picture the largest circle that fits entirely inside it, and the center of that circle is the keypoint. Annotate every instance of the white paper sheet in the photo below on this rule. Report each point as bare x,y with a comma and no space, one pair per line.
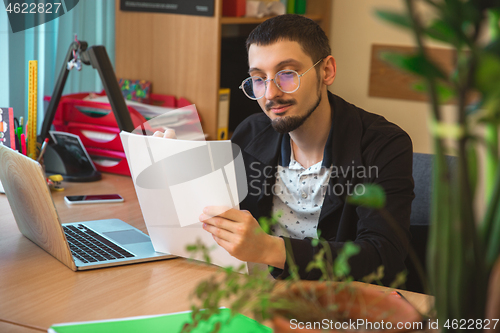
191,197
174,180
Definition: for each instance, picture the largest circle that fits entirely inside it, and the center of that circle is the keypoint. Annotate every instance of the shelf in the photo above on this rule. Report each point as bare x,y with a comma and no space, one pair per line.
255,20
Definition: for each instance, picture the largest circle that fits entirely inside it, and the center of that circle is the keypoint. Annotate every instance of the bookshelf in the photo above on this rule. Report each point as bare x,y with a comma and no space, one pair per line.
181,54
255,20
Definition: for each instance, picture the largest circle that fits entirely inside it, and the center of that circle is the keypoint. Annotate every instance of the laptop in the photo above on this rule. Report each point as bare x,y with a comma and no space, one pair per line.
80,245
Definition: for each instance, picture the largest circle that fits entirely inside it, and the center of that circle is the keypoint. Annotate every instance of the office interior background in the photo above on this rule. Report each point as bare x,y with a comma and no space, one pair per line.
151,49
353,30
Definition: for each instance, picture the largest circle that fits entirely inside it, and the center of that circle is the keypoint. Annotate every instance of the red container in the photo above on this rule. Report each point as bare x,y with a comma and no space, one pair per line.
95,124
109,161
89,112
96,136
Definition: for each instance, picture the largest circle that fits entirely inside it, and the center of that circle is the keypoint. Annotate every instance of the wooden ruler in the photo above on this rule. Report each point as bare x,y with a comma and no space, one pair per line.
32,108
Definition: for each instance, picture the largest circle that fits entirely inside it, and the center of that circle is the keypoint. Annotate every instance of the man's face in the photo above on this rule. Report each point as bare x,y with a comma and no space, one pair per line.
287,111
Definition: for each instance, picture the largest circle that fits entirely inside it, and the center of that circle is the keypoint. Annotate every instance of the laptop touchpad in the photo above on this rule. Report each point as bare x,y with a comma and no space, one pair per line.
127,236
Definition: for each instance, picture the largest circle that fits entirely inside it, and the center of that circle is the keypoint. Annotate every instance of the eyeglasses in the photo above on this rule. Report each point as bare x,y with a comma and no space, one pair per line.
287,80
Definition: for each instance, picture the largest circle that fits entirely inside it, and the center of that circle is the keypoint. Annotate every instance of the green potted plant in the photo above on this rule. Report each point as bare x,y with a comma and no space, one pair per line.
462,248
305,306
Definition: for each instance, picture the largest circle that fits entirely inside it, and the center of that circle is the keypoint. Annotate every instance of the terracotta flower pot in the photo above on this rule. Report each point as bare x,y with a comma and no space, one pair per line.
351,304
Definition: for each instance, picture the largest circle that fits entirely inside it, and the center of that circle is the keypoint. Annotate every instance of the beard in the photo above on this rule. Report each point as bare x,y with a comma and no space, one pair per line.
288,124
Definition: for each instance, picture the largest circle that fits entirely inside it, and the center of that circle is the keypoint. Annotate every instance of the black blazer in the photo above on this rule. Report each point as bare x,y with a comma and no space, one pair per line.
358,139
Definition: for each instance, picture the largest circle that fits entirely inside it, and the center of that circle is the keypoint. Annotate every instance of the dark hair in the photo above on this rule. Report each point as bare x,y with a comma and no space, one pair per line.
295,28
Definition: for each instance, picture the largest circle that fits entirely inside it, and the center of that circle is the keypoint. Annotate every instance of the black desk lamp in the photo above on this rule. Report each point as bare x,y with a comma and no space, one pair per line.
58,160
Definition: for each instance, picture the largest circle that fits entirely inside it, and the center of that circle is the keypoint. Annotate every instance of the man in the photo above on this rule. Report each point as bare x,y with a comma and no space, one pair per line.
304,155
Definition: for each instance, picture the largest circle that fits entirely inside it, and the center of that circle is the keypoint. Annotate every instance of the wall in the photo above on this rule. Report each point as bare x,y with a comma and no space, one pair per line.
354,28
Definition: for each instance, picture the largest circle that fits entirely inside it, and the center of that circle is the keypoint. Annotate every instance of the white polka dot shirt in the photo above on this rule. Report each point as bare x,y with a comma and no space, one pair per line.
298,195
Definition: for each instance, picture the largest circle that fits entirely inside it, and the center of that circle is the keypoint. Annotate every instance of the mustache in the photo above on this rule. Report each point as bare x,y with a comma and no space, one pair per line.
279,102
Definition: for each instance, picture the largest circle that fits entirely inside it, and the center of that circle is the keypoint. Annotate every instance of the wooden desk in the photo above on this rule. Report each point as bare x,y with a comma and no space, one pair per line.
36,289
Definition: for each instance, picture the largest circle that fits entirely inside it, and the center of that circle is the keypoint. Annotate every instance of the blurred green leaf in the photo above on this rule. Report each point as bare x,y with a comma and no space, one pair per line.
265,224
415,64
191,248
318,262
341,267
494,22
445,93
399,280
488,76
373,196
442,31
374,277
396,18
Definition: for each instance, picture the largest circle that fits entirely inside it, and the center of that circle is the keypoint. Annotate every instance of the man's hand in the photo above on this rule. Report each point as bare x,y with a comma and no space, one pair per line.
240,234
169,134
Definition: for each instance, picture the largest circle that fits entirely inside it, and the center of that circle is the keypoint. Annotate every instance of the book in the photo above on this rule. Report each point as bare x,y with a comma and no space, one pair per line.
223,116
7,128
300,6
234,8
173,323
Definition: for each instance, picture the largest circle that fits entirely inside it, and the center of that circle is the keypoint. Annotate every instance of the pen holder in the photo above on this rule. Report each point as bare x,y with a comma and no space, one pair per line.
42,164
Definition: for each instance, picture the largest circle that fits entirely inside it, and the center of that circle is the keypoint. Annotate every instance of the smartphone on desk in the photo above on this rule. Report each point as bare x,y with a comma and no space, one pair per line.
91,199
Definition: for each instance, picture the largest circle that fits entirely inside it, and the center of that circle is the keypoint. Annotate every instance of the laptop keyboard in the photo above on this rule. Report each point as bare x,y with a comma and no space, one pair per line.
88,246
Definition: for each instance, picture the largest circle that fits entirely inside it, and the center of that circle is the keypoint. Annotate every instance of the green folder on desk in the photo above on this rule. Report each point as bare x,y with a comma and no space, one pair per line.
164,323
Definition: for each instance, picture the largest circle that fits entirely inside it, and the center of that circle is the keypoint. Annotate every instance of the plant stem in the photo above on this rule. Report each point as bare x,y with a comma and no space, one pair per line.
411,251
491,222
491,209
438,262
491,137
